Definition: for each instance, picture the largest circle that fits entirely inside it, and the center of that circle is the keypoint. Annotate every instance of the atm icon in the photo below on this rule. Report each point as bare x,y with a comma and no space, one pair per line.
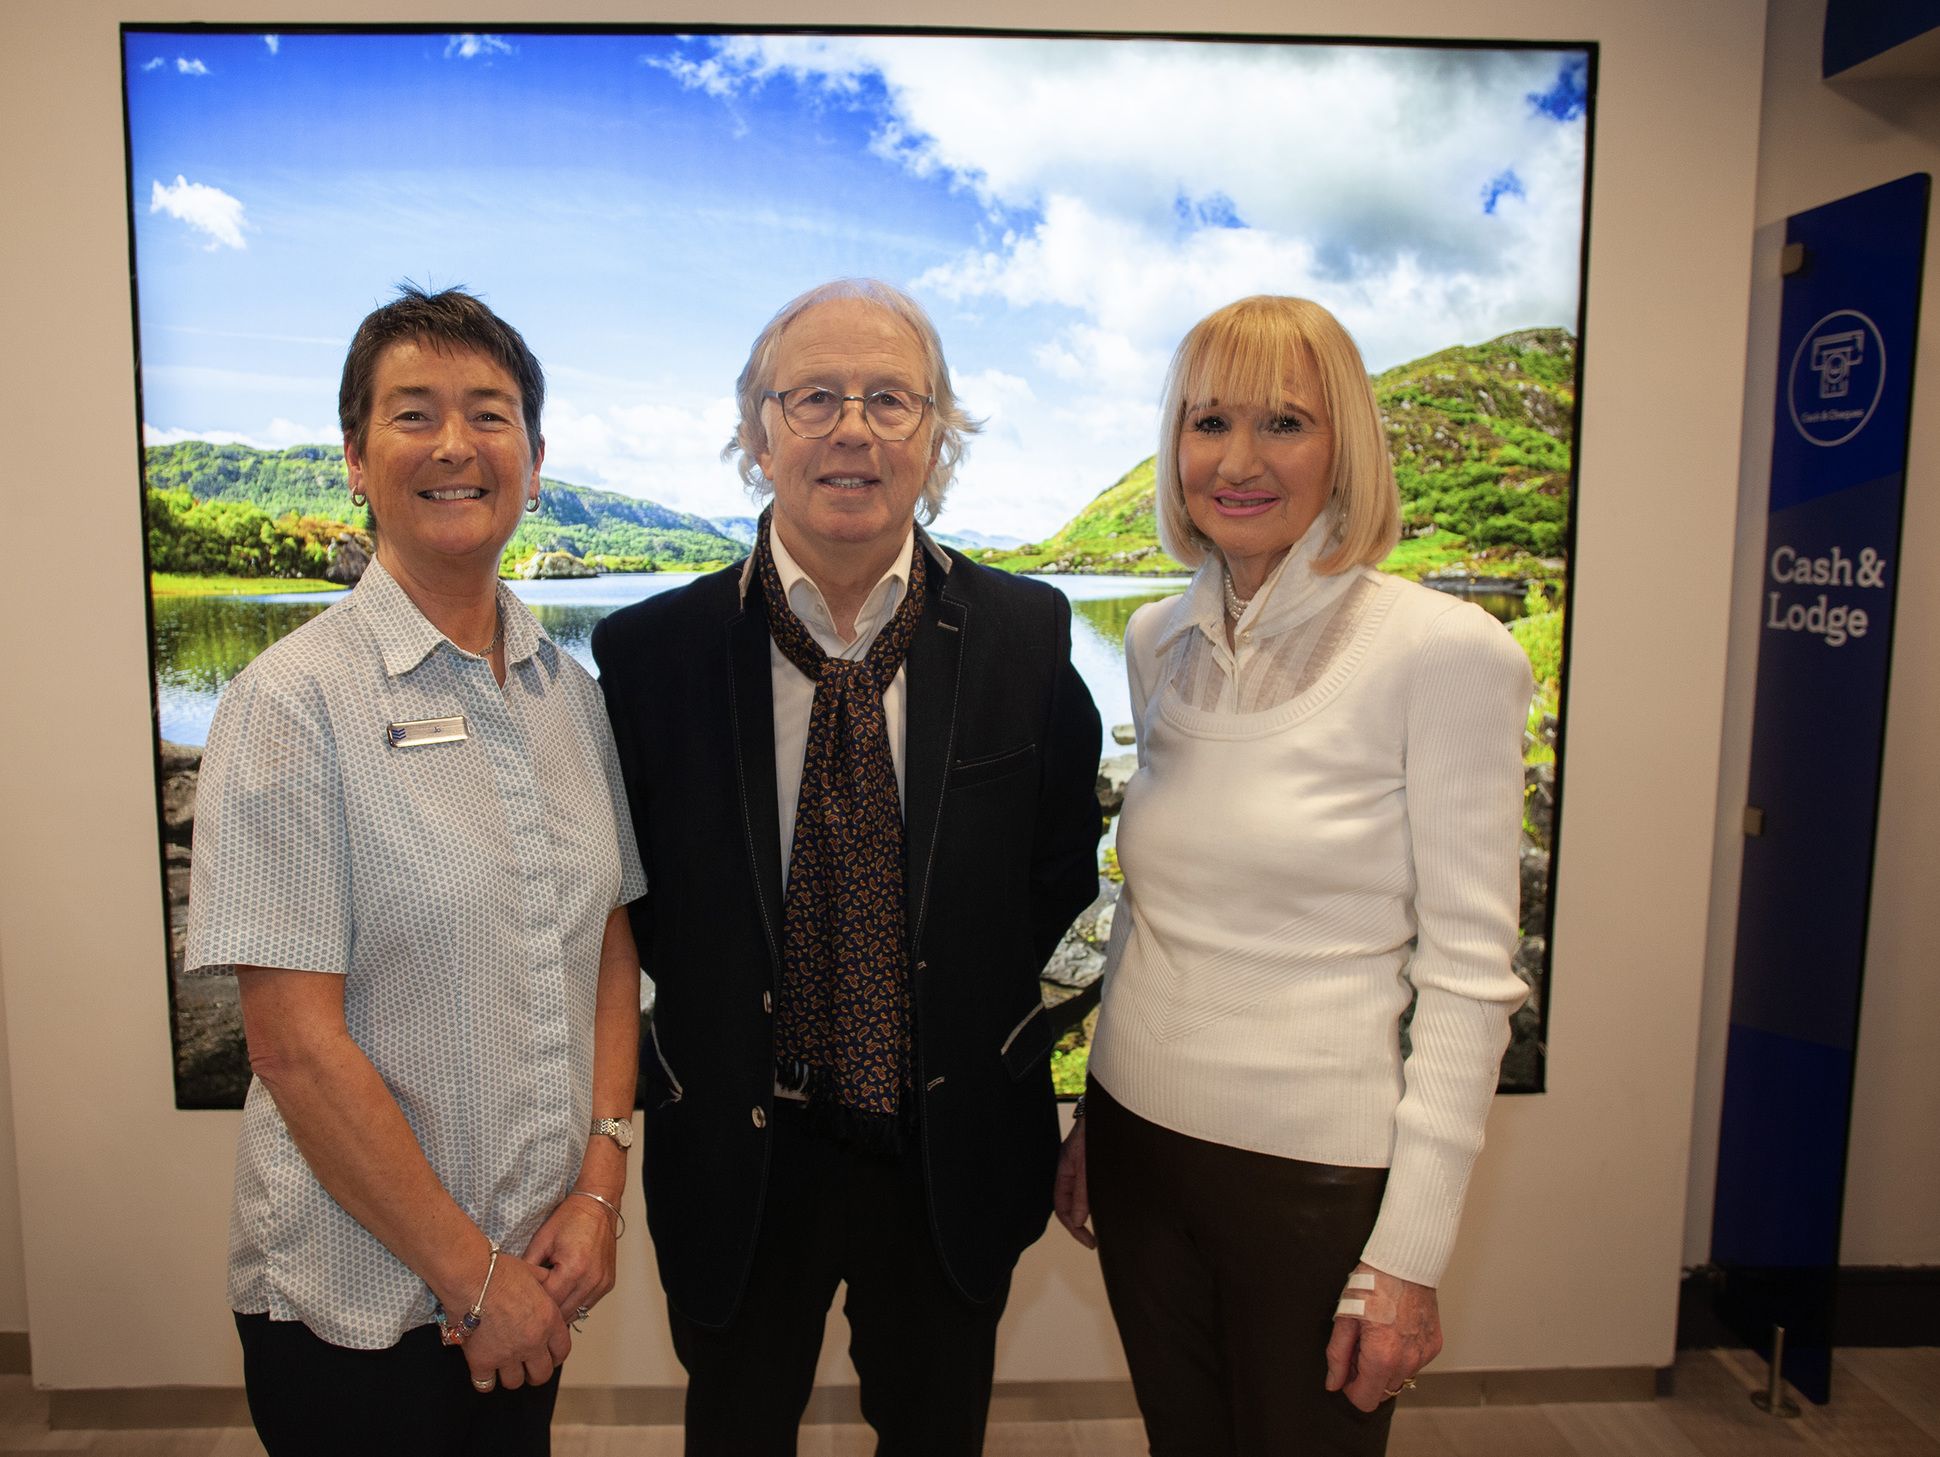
1833,359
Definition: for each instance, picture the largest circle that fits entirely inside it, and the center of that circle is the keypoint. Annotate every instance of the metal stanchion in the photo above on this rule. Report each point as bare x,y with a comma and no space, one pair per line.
1773,1398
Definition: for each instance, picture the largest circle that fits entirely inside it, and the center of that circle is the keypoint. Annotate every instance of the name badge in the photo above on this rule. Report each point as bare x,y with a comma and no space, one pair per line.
426,731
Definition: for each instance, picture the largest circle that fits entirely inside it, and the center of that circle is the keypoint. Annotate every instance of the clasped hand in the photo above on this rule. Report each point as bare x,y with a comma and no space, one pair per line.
567,1269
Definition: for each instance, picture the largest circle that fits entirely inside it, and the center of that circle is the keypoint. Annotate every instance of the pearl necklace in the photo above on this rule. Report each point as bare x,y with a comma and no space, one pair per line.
1236,605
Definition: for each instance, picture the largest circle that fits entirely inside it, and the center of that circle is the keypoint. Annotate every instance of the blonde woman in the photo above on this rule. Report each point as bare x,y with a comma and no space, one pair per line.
1322,830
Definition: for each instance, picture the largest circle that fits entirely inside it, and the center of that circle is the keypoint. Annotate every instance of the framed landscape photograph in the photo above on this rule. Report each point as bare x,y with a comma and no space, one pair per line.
639,202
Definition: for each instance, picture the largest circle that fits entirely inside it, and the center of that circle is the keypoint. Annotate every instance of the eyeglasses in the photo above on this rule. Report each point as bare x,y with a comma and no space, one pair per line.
811,411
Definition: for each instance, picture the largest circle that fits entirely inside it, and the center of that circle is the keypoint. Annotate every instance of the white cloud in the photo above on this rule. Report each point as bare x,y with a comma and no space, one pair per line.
667,450
1357,175
190,67
710,75
209,210
1131,189
274,42
469,47
155,63
278,434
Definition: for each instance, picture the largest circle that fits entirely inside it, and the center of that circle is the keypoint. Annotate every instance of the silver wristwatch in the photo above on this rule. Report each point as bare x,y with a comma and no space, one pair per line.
620,1130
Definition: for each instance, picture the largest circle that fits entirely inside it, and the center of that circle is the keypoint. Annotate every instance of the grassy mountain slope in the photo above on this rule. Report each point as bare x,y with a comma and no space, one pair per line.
1117,533
1480,437
309,480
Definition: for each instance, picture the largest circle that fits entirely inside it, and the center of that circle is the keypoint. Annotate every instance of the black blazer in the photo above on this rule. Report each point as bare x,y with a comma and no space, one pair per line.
1001,828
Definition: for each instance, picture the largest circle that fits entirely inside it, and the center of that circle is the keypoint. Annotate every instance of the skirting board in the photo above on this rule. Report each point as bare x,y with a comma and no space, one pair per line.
120,1408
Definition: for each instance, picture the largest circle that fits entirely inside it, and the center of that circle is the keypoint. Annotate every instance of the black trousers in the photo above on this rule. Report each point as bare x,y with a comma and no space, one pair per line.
923,1352
309,1398
1223,1268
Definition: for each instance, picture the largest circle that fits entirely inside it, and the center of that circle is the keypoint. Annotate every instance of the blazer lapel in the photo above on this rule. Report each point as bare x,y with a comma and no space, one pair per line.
752,724
933,666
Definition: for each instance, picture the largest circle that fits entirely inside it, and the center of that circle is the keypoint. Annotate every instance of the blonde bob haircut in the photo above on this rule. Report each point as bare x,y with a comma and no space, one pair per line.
947,422
1243,354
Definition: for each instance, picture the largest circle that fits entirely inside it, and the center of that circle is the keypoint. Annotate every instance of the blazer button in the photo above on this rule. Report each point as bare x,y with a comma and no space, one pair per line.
760,1116
767,1001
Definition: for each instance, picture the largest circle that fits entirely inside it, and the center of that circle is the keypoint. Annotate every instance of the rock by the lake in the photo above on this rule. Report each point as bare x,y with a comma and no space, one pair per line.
1074,964
1094,921
1113,774
177,757
1124,733
553,564
1539,800
348,558
1522,1062
1535,889
178,805
1528,962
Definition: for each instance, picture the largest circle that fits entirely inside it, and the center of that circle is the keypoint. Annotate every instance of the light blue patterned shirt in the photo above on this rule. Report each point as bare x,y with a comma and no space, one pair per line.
460,888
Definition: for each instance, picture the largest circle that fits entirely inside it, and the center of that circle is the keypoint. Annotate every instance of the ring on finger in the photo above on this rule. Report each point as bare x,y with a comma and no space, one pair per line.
484,1385
1407,1384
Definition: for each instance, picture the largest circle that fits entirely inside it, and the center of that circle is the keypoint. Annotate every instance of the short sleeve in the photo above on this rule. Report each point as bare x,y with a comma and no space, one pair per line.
269,881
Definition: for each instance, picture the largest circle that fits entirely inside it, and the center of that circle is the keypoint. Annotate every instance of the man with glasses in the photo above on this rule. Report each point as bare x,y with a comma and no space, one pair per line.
862,773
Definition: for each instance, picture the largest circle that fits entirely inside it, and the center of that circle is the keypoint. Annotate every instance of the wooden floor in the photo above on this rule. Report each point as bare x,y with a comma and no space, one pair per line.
1886,1403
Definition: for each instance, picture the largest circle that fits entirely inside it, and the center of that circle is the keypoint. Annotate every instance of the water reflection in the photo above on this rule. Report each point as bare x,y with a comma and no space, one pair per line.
203,642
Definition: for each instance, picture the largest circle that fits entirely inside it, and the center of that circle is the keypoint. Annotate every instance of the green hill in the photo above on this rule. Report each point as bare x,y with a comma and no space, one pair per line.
1118,533
1480,437
309,481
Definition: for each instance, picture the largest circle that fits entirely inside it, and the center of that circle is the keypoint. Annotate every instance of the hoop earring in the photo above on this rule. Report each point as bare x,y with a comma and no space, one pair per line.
531,505
359,499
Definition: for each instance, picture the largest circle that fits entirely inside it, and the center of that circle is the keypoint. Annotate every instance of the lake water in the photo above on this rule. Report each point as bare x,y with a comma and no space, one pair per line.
203,642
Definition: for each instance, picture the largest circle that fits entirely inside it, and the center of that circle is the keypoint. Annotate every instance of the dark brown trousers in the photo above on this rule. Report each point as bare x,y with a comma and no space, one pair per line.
1223,1267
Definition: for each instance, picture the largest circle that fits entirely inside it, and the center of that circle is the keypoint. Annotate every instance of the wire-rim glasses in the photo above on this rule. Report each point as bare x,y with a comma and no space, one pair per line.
811,411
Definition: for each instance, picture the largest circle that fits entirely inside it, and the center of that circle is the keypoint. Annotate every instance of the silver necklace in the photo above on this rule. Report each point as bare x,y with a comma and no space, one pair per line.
1236,605
498,631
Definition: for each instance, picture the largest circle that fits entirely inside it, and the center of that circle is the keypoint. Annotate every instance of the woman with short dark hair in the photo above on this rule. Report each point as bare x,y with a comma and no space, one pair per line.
412,846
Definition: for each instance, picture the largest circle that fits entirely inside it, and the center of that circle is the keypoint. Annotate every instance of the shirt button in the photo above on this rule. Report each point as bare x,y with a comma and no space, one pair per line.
767,1001
760,1116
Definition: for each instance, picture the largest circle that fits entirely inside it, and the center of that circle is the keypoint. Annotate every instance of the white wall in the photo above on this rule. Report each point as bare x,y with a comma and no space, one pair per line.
1818,143
1570,1257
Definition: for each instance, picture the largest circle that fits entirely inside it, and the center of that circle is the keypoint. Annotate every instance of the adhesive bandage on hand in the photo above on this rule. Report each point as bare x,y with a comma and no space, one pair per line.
1369,1296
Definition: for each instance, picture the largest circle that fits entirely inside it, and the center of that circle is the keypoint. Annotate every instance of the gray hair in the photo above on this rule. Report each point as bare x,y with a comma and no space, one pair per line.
950,422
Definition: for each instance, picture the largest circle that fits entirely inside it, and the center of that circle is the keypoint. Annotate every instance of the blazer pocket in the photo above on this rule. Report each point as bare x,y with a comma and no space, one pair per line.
992,766
1029,1041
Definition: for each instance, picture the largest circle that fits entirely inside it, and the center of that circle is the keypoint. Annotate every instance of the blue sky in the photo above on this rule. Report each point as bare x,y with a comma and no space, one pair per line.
639,205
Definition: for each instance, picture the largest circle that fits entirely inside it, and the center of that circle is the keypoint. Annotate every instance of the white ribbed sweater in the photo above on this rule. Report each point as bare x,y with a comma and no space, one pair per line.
1292,873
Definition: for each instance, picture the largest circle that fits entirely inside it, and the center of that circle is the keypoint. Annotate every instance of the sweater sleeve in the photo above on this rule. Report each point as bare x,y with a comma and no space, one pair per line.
1468,702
